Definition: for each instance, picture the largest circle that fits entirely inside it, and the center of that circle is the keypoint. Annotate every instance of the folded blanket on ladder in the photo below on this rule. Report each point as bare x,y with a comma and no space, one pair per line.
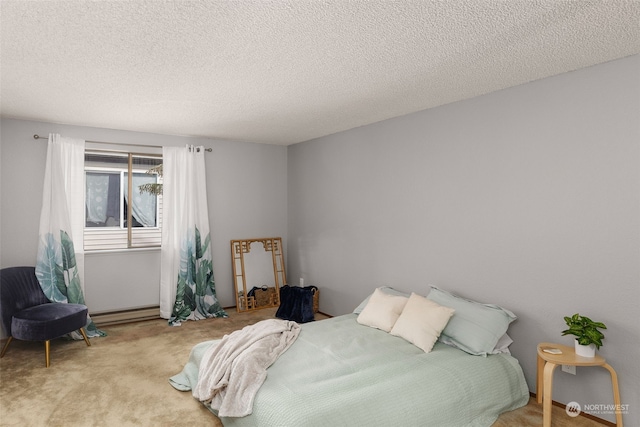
231,372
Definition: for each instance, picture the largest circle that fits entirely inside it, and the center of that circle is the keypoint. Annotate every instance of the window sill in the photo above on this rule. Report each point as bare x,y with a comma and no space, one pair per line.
125,250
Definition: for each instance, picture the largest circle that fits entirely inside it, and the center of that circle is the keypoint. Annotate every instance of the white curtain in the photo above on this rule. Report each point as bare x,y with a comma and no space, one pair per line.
143,207
60,259
97,197
187,288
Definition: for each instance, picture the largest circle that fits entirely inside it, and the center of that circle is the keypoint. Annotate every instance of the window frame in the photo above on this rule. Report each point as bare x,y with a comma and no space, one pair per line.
120,238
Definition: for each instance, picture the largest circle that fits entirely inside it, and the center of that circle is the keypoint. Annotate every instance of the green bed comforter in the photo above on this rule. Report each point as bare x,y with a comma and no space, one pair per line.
341,373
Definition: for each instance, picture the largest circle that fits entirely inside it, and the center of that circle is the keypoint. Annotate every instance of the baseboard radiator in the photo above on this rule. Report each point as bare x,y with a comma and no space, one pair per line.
125,316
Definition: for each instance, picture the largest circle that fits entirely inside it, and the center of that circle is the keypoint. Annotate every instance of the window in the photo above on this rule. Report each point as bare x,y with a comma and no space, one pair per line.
113,219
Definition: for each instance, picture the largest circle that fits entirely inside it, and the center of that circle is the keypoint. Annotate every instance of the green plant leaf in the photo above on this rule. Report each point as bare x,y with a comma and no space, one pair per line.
586,320
48,271
72,283
594,335
189,298
207,242
181,289
585,329
198,244
180,310
68,251
201,281
74,291
584,341
576,330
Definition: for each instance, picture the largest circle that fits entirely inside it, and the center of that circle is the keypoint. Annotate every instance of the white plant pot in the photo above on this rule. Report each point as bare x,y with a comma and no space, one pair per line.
585,350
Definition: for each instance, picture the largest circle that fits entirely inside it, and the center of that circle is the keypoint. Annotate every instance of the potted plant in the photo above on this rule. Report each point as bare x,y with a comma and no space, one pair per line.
588,337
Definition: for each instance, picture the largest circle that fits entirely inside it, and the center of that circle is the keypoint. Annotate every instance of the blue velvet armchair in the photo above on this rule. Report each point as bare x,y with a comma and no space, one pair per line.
28,315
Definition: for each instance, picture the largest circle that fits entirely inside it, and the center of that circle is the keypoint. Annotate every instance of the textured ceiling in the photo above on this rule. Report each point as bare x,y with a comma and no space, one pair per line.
286,71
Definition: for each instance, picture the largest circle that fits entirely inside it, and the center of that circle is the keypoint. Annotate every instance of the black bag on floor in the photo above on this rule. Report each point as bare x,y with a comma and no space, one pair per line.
296,303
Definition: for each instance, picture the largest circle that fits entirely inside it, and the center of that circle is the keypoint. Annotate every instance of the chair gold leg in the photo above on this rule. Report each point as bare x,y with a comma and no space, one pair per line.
6,346
84,335
47,346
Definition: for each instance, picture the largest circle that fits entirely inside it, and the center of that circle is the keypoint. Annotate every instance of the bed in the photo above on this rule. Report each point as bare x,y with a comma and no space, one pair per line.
340,372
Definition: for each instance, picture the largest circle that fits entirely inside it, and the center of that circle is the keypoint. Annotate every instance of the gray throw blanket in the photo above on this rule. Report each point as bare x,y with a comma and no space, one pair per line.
231,372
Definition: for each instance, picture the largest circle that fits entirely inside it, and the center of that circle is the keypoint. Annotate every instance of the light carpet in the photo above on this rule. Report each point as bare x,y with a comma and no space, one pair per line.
122,379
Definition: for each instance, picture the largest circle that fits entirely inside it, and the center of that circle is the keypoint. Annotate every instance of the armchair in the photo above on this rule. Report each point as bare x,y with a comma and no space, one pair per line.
28,315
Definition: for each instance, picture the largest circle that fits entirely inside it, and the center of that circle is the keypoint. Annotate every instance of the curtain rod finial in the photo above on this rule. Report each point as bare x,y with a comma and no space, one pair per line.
36,136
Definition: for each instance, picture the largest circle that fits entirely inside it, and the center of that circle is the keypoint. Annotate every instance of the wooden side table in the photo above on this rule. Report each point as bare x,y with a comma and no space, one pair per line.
547,362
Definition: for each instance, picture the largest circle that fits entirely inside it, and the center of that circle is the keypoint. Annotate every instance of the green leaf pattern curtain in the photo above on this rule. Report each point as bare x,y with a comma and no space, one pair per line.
187,288
60,258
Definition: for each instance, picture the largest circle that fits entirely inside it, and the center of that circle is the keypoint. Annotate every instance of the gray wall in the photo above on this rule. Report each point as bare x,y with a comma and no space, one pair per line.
528,198
247,195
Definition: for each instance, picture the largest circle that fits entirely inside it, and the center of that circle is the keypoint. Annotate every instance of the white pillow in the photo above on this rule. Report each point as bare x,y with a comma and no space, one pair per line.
421,322
387,290
382,310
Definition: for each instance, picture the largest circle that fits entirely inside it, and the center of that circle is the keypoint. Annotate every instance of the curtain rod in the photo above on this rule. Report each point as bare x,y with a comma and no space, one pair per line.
36,136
